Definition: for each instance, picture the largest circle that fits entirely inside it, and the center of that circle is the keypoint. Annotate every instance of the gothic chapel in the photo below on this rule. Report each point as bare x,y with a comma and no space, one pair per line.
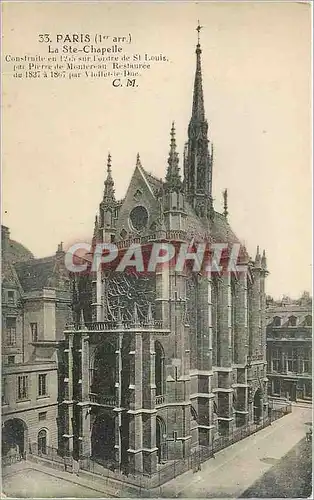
156,366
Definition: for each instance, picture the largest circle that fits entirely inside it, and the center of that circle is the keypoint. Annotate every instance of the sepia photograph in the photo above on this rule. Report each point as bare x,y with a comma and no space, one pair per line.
156,249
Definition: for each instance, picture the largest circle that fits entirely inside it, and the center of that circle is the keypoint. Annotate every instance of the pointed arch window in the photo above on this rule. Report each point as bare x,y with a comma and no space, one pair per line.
159,369
42,442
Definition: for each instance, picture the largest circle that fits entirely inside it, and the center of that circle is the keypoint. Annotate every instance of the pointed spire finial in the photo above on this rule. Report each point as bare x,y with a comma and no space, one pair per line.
264,261
96,228
119,315
109,184
138,160
135,315
257,257
150,320
173,179
225,196
82,320
198,29
109,163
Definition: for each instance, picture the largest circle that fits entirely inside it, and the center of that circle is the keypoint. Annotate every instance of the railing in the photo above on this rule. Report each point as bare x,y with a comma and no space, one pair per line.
102,400
11,459
159,400
255,357
51,455
130,476
99,326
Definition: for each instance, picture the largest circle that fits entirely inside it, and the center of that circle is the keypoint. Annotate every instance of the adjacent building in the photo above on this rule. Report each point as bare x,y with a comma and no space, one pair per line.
289,348
35,307
157,365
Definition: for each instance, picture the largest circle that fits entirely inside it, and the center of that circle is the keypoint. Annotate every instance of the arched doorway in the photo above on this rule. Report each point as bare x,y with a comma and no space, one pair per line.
160,439
103,438
14,438
258,406
42,442
103,373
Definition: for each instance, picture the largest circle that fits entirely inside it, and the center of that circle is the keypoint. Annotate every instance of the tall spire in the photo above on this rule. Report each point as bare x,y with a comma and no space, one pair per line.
198,156
173,180
109,184
198,112
96,230
225,196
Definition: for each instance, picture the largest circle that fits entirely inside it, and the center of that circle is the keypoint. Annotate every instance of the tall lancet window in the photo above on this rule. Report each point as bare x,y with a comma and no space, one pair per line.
159,369
215,321
233,319
249,315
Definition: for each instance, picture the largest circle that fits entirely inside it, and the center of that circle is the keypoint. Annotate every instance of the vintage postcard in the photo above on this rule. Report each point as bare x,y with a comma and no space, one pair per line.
156,249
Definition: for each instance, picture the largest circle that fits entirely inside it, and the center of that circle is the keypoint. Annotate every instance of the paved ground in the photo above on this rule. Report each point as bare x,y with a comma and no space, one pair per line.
30,480
31,483
236,468
290,477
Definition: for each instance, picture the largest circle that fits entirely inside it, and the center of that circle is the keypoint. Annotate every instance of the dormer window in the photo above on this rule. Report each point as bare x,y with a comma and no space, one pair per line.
277,321
308,320
11,297
292,321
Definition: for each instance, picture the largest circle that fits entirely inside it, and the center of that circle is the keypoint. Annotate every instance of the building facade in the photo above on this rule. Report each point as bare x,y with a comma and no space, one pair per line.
35,307
158,364
289,348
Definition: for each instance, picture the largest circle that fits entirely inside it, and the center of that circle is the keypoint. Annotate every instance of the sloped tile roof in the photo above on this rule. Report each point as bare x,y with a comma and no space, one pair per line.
34,274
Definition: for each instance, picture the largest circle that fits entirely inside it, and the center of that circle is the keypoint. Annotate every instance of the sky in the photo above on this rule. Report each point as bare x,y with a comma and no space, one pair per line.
257,90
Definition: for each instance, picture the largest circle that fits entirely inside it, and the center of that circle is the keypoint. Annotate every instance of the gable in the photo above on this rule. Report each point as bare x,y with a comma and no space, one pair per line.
139,203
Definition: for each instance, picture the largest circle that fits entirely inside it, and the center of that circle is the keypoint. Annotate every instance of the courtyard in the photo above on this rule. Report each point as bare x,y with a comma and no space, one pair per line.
275,462
28,480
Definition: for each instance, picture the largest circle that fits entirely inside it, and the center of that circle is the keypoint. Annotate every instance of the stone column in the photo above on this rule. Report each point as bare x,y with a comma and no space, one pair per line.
70,390
135,414
149,411
162,295
256,344
85,414
241,320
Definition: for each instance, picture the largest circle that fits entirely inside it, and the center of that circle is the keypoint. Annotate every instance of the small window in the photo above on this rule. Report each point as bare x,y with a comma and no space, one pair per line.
11,297
175,435
34,331
292,321
4,388
42,384
11,331
22,392
277,321
277,387
11,360
42,416
308,320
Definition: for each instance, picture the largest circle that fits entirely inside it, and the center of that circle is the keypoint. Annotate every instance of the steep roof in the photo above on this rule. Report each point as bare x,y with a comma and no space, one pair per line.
221,231
153,181
34,274
16,252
